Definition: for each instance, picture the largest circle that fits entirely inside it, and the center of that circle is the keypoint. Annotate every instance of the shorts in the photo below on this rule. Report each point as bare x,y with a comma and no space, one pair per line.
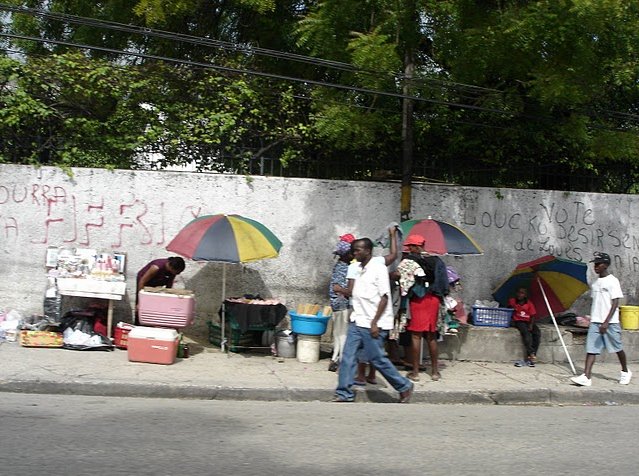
611,340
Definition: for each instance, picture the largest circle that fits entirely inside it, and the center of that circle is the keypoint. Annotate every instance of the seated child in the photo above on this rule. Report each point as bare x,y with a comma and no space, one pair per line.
524,320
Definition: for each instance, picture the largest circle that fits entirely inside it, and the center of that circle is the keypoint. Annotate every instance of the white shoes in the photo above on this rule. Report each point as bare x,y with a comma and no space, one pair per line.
582,380
624,378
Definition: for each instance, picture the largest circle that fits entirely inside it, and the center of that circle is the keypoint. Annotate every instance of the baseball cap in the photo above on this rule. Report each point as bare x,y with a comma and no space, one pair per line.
348,238
414,240
600,257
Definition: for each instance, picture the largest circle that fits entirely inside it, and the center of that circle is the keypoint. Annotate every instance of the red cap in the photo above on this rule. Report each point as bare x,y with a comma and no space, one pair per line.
348,238
414,240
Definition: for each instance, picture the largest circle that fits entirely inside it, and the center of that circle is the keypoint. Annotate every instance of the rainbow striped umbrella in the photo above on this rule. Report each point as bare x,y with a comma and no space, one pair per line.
225,238
553,284
561,280
441,238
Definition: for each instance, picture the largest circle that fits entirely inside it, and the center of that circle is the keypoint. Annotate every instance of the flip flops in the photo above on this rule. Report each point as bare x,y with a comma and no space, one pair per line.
413,377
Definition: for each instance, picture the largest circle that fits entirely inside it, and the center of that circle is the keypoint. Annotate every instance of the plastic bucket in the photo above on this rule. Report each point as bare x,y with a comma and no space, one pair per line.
308,348
285,345
629,317
310,325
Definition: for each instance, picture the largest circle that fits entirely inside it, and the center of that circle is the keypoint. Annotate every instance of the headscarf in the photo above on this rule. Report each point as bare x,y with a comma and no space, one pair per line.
342,248
453,277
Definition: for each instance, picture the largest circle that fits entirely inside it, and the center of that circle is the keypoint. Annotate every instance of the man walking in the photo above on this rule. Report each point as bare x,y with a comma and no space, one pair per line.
604,330
371,319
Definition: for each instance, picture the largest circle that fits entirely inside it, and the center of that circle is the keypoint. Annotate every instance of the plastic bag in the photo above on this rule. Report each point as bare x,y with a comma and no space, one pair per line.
78,333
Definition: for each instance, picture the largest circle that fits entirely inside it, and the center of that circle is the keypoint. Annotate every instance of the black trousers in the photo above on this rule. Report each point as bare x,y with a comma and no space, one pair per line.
530,338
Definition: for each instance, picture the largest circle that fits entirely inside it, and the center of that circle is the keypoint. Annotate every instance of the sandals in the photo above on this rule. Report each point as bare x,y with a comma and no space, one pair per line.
413,377
435,377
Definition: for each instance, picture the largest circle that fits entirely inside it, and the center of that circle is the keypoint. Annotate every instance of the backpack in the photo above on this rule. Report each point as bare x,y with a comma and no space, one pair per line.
435,279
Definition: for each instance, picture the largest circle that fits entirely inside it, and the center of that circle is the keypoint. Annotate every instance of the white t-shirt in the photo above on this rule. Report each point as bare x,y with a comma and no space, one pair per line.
355,268
371,284
603,291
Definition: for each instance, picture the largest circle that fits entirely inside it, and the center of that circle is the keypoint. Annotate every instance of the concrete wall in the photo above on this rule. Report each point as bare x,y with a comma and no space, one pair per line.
139,213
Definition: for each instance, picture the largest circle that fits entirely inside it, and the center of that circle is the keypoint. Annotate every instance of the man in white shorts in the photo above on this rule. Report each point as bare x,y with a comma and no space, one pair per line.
604,331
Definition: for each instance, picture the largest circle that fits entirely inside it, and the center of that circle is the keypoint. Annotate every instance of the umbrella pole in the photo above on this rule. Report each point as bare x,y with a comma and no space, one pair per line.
554,321
223,340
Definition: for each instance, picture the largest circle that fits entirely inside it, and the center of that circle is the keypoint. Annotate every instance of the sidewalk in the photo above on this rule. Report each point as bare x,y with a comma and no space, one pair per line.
210,374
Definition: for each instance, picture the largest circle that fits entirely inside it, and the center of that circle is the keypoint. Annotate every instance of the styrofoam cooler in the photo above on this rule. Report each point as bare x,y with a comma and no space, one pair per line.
166,309
152,345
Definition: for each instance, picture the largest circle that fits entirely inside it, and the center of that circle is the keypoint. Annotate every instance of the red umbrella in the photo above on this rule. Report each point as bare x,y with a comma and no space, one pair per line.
442,238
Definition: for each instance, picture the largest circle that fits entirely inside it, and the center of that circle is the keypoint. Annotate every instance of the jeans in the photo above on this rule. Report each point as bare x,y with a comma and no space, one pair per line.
357,338
530,338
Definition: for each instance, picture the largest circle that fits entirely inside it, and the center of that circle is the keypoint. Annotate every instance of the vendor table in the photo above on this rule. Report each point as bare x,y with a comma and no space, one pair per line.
251,317
94,288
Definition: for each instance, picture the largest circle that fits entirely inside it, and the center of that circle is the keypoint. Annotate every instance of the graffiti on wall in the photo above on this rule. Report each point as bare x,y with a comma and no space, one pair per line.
567,229
49,214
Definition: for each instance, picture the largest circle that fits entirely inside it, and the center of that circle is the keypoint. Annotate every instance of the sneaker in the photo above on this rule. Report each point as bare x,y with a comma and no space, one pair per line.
624,378
582,381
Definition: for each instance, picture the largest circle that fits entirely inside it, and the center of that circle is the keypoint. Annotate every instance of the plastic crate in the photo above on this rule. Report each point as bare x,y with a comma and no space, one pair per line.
492,316
236,341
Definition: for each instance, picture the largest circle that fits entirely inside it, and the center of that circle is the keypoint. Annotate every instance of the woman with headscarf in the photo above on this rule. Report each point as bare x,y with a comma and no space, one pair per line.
339,301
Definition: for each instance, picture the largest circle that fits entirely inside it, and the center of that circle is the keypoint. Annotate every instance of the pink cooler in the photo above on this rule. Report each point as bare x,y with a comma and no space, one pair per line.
166,309
152,345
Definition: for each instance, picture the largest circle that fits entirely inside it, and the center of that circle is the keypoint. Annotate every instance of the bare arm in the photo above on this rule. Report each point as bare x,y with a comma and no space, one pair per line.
392,256
146,277
604,325
383,302
347,291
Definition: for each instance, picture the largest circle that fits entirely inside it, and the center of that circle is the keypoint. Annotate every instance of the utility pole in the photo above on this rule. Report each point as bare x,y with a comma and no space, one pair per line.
407,137
409,35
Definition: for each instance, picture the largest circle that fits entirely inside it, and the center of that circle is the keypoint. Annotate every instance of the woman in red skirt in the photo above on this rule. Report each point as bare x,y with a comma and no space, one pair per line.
425,282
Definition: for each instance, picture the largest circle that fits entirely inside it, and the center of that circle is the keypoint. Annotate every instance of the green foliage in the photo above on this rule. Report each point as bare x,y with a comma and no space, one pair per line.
514,92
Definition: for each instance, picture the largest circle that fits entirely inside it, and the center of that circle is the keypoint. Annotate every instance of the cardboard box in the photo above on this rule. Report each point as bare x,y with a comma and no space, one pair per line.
166,309
152,345
41,339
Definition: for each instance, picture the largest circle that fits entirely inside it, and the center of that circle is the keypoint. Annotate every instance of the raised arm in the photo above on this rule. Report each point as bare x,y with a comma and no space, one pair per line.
392,256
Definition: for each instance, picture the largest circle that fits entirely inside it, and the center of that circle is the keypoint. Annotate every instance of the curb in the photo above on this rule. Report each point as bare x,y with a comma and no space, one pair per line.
542,396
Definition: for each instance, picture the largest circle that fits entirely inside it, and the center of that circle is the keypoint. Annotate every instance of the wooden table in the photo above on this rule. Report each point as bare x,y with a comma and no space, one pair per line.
94,288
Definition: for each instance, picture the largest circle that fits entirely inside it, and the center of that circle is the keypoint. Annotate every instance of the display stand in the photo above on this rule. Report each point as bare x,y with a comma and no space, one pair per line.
94,288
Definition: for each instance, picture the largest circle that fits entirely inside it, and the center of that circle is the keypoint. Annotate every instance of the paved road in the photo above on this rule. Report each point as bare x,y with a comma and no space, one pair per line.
78,435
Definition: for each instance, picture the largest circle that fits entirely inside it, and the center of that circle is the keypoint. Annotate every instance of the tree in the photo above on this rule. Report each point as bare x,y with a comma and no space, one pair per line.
566,71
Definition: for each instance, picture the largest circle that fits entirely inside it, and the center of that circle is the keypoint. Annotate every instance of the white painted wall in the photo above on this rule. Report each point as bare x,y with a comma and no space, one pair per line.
140,212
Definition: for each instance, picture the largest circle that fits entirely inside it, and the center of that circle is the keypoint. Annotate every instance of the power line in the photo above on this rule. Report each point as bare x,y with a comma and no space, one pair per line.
254,73
85,21
121,27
